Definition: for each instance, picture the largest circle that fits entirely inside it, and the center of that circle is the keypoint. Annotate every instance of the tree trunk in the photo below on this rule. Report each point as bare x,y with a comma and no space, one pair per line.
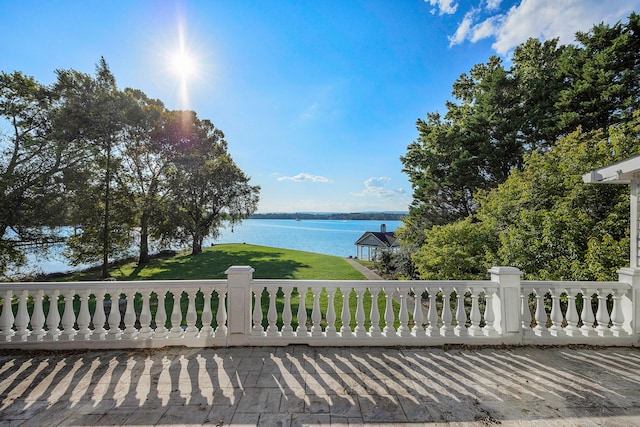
105,243
144,259
196,247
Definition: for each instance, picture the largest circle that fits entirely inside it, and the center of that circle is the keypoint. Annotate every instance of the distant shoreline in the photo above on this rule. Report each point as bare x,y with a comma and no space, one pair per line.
370,216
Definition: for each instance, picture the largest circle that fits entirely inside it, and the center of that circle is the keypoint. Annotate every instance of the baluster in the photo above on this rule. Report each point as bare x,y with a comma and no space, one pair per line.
84,317
489,317
586,316
176,330
474,329
257,313
432,314
6,318
602,315
360,330
129,318
374,330
192,316
461,315
403,329
221,315
22,317
68,317
53,318
272,314
114,316
37,318
525,312
446,329
556,314
99,318
418,316
389,329
617,316
572,314
541,314
331,330
345,329
316,315
287,316
145,331
161,316
207,314
302,330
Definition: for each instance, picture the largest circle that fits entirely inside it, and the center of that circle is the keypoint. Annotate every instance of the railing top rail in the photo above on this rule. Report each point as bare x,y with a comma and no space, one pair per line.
112,285
378,283
576,284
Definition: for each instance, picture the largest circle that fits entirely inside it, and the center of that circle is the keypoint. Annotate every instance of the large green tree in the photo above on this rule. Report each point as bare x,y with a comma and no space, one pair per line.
602,76
544,219
145,160
503,117
32,164
474,147
92,113
206,188
539,82
551,224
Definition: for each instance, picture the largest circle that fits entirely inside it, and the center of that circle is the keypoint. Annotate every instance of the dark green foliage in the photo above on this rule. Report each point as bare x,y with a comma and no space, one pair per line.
85,154
551,224
205,187
511,152
33,161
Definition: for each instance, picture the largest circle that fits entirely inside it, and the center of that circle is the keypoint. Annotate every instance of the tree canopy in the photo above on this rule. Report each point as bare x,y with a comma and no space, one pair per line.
507,157
113,164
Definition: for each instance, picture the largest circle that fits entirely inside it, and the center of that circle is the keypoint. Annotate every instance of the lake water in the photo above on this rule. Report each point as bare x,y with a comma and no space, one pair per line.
330,237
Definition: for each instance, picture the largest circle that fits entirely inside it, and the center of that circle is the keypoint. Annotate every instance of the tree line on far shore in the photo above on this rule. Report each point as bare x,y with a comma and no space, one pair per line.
369,216
83,153
497,179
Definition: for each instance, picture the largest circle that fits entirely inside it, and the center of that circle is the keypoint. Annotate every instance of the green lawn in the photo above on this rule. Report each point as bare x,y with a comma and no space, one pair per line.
268,262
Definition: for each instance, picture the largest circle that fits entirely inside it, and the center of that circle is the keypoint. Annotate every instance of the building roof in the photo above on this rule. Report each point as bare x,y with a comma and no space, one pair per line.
618,173
377,239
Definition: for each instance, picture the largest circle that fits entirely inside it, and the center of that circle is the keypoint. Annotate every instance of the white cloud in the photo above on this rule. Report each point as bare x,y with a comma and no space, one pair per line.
493,4
462,33
485,29
376,187
446,6
303,176
544,19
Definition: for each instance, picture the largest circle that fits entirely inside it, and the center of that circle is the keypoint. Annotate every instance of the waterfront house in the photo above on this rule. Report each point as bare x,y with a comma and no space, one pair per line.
373,241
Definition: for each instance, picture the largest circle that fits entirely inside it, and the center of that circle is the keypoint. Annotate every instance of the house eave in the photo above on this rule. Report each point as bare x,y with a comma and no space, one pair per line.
617,173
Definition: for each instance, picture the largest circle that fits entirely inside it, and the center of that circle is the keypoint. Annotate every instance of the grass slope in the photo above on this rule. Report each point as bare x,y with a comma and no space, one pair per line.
268,262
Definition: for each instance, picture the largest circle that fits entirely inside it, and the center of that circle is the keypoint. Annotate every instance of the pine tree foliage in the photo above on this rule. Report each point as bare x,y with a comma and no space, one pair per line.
508,156
113,165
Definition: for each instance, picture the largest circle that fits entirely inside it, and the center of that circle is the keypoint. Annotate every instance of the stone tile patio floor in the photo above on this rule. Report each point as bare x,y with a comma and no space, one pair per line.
300,385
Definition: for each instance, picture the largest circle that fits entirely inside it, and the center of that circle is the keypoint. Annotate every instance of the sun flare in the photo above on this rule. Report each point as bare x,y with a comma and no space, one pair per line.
183,64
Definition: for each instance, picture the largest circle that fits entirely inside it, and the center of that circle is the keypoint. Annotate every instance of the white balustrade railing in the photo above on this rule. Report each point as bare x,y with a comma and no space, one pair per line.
113,314
246,311
374,312
574,311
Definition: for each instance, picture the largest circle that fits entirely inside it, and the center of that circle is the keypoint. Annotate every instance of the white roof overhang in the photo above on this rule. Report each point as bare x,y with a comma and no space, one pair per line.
618,173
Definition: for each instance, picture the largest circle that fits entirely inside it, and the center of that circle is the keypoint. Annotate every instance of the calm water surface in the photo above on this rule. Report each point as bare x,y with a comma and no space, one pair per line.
330,237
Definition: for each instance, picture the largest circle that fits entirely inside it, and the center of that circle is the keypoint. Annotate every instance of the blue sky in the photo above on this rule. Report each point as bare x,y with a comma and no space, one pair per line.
318,99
